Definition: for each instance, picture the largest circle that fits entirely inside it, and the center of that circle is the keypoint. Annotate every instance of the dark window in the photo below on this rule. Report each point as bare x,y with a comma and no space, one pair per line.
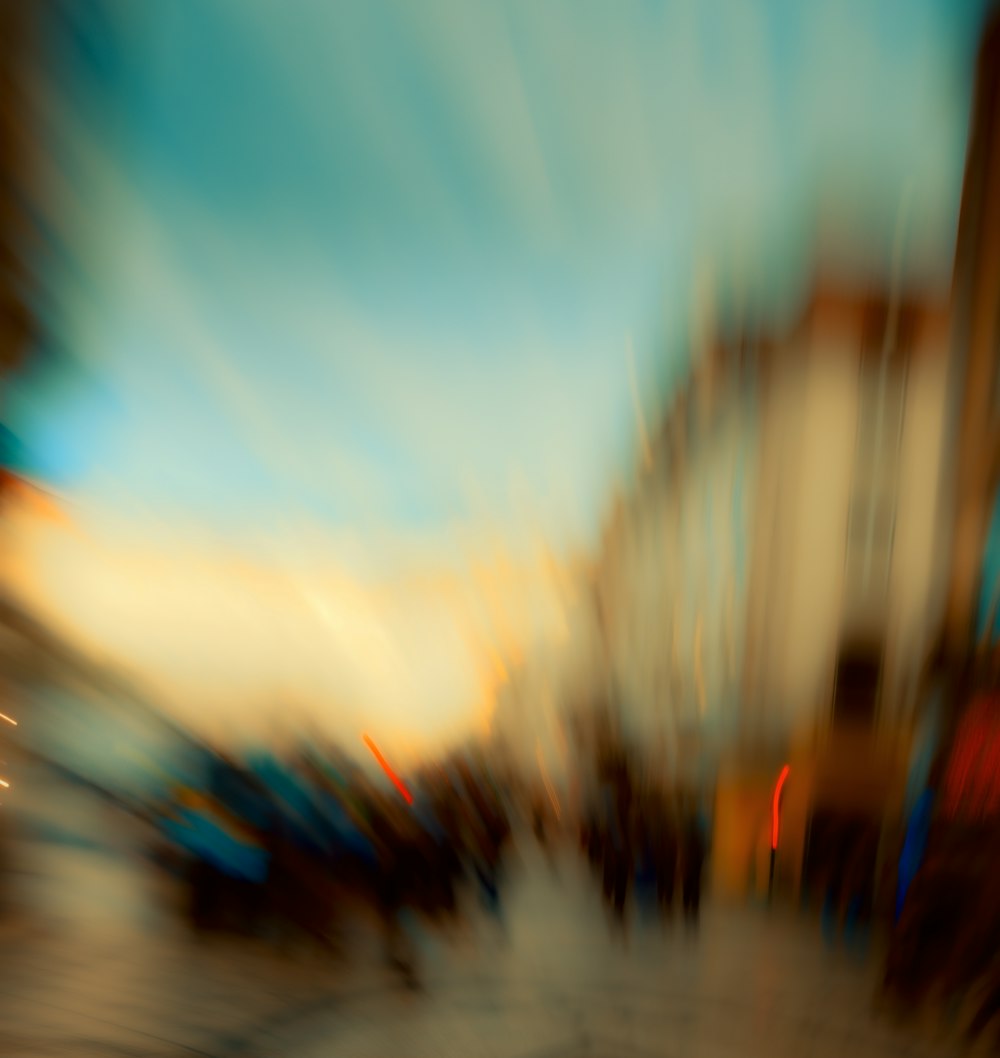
873,333
855,692
881,335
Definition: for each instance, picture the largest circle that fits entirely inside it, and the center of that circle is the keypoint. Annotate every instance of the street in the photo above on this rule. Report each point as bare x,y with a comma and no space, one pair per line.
106,974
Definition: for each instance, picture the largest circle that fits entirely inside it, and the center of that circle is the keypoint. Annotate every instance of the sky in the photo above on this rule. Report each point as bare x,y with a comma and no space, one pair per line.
342,295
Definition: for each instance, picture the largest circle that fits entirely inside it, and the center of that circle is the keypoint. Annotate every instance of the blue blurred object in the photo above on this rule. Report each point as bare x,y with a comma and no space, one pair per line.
298,804
203,837
914,846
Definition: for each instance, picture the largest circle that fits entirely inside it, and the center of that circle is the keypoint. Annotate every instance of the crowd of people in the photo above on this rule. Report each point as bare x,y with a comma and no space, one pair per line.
643,839
283,847
293,846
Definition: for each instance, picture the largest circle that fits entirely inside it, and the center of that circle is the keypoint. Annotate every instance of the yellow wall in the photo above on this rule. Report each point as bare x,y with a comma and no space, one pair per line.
741,845
742,814
853,774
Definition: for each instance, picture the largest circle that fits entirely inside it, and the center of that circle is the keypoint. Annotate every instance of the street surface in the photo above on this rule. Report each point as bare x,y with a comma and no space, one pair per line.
97,970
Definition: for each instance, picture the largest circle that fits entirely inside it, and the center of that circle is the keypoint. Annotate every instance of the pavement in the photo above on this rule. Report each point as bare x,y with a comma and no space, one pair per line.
98,969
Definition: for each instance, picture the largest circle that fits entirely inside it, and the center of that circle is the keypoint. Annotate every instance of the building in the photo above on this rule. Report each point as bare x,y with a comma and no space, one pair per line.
848,566
850,569
780,575
973,608
75,726
19,26
876,541
673,570
672,575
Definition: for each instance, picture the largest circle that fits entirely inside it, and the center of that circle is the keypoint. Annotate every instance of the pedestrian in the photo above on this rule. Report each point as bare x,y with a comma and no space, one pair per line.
665,852
617,843
692,864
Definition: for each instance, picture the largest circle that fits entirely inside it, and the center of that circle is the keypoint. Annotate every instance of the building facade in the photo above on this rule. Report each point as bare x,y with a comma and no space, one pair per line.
849,565
673,573
973,608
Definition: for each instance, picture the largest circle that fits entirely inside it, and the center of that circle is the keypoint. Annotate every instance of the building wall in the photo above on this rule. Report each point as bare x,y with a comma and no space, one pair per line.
808,414
920,567
807,593
674,578
976,345
819,467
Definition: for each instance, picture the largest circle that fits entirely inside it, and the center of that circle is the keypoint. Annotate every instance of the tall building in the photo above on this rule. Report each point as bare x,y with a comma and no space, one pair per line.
973,608
849,570
19,49
672,575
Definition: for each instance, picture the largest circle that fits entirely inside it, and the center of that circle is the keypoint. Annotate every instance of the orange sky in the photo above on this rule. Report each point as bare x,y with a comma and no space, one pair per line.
242,646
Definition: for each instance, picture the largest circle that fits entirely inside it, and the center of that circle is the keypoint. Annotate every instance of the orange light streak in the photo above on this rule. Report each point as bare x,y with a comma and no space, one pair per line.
776,806
396,780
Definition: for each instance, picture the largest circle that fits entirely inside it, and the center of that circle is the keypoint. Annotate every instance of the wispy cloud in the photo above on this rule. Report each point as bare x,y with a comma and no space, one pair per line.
357,280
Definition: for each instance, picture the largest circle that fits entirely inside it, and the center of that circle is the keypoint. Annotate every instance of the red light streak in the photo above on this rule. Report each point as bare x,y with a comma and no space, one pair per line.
396,780
776,806
989,771
971,787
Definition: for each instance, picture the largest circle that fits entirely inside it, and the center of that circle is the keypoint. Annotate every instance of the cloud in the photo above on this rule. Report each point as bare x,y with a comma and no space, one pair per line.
358,280
238,641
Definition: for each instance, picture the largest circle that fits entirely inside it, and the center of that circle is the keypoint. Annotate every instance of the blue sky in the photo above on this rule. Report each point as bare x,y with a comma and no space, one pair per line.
375,264
342,293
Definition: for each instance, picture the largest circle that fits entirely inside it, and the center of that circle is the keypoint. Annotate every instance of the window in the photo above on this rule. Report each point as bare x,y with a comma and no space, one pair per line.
856,686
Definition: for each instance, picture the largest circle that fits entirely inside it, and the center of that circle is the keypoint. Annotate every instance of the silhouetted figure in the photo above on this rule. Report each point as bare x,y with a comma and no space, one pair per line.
538,820
394,871
692,864
617,839
665,851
